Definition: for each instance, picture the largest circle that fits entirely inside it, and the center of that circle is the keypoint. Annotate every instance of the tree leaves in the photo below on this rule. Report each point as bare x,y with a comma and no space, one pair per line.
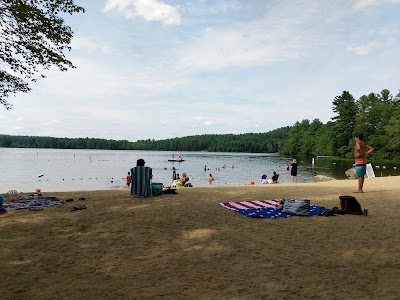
32,36
377,116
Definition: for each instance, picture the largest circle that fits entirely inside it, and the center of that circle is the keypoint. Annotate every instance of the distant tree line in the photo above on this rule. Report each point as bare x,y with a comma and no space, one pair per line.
269,142
377,116
13,141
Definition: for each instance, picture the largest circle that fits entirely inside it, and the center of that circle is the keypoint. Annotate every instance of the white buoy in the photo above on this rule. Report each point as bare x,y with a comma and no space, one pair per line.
384,167
377,167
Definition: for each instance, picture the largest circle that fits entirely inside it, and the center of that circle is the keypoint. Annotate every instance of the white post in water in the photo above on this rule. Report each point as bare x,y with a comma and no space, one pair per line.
313,161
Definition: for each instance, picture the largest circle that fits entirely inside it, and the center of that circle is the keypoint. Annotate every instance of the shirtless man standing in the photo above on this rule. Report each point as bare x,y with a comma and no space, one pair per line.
360,160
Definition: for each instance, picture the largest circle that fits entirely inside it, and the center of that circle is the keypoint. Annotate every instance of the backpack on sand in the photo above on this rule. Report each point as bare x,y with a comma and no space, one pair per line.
350,205
296,207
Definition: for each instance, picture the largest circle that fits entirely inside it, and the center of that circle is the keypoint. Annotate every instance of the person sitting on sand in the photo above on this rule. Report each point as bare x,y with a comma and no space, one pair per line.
184,178
263,179
140,162
177,182
273,178
141,177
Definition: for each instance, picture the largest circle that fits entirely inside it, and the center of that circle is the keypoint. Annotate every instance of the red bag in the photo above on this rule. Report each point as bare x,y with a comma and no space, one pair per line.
350,205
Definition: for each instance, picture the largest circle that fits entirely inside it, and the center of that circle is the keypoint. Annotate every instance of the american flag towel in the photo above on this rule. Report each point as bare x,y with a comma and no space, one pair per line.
263,208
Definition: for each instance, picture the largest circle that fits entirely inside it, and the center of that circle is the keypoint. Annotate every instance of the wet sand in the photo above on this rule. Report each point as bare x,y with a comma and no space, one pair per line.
186,246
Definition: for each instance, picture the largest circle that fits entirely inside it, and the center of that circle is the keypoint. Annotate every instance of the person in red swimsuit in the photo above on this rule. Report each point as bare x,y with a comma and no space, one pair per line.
128,179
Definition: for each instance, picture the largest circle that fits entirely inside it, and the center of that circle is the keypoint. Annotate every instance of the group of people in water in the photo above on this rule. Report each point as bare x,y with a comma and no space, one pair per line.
183,180
264,178
361,149
274,177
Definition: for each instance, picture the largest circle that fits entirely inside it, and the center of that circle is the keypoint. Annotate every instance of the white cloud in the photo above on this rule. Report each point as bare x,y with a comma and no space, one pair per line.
361,4
247,44
150,10
88,44
224,7
278,34
370,47
201,121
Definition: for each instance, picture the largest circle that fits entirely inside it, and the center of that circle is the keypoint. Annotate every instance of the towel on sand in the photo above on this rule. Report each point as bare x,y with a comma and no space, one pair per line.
263,208
26,204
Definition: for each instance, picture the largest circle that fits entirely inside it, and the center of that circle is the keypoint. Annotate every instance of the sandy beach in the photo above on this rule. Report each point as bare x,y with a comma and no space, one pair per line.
186,246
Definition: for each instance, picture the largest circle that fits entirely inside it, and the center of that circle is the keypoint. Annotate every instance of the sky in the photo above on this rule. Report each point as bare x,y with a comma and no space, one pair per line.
158,69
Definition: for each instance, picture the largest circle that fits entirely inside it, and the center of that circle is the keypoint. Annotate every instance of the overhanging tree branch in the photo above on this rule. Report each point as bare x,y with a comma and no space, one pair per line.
32,35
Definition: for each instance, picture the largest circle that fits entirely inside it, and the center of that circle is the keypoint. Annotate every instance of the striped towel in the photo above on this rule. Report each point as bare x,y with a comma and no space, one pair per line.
266,209
141,181
250,204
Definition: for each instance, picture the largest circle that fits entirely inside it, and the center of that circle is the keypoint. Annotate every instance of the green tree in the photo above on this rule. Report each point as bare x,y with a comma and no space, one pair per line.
393,134
346,109
293,145
370,110
391,137
32,36
324,141
388,108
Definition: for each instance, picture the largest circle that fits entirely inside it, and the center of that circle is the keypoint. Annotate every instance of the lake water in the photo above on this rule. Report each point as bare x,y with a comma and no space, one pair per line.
70,170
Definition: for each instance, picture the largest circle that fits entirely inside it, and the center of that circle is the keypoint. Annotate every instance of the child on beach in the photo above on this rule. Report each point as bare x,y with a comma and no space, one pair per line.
173,173
210,179
263,179
128,179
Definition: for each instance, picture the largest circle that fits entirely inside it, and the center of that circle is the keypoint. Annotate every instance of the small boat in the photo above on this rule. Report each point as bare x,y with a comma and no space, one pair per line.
178,160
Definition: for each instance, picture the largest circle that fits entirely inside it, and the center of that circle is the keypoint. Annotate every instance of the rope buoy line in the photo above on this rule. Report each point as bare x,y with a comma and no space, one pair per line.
122,178
82,178
100,178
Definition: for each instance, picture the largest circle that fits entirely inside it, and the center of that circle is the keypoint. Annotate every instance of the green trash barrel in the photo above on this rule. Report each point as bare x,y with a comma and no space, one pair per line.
157,188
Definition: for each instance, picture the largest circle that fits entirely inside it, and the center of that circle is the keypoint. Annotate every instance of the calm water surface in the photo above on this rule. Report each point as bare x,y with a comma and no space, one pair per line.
70,170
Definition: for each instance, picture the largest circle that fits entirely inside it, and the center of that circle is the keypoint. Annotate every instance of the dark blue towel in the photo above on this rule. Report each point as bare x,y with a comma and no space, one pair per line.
270,212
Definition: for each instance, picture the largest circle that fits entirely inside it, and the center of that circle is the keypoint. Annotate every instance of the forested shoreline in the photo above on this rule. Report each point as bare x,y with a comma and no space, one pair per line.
269,142
376,115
